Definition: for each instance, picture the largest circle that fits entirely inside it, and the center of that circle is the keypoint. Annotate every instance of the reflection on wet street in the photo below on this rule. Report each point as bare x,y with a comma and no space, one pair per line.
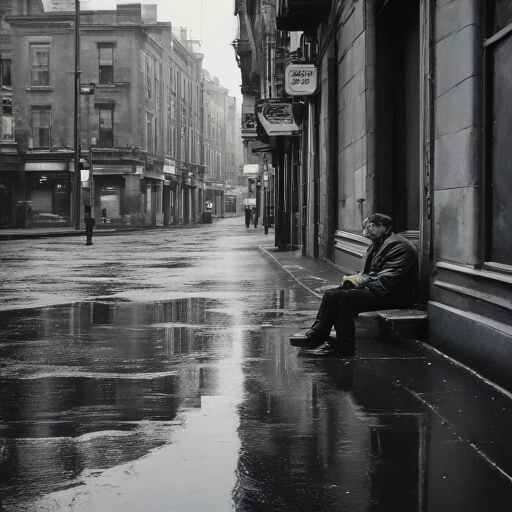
199,403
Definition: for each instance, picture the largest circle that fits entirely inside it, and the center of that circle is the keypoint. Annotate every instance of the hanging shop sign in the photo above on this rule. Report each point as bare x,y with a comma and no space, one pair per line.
169,167
87,88
251,169
300,79
276,117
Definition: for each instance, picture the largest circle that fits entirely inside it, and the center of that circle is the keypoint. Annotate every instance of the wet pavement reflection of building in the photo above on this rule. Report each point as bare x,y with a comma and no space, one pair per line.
93,385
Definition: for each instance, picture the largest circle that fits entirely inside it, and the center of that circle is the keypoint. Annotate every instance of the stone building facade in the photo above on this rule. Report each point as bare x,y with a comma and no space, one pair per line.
410,117
221,143
141,130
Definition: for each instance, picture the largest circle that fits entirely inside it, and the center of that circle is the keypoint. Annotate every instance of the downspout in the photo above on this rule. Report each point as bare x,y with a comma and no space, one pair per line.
427,148
371,107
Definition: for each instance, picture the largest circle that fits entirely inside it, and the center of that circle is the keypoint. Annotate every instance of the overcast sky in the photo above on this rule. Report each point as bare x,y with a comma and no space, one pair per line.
211,21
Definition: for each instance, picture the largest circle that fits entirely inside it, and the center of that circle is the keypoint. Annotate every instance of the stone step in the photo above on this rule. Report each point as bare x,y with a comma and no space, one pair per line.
414,321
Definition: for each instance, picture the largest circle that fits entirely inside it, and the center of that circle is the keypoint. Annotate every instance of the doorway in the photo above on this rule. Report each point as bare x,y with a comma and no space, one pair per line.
399,114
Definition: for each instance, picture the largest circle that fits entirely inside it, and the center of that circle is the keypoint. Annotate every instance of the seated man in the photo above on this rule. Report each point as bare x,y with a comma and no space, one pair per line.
389,281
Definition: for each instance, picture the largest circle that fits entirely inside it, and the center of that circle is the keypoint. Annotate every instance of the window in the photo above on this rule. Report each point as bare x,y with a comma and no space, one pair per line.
142,61
41,126
149,75
40,65
106,127
7,127
498,128
106,64
149,132
5,72
157,85
155,144
7,105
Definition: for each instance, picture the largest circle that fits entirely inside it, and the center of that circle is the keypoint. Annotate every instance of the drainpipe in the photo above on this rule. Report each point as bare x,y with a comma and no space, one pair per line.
370,72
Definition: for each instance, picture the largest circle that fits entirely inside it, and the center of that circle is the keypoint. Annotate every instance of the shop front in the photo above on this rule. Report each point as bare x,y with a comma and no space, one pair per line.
116,197
215,194
152,189
170,193
10,185
48,187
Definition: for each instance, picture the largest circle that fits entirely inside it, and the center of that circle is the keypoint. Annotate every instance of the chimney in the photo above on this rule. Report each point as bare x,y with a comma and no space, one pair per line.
149,14
129,14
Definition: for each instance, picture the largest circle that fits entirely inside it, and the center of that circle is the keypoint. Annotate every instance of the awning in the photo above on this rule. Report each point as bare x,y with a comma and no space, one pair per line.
266,148
214,186
105,170
155,175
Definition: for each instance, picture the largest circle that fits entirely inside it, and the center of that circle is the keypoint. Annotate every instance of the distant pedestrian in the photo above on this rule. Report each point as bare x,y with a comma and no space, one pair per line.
389,281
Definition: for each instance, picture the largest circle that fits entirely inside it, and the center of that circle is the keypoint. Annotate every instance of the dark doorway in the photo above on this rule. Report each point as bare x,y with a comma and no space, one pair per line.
398,113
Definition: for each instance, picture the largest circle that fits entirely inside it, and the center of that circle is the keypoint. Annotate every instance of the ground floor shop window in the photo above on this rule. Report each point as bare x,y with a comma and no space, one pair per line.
6,202
109,197
50,199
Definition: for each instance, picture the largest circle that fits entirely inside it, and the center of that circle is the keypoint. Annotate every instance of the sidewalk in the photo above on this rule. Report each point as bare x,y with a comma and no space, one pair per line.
311,274
26,234
472,415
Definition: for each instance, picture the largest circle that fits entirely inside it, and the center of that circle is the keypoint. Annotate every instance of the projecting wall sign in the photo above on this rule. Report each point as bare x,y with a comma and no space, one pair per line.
276,117
300,79
251,169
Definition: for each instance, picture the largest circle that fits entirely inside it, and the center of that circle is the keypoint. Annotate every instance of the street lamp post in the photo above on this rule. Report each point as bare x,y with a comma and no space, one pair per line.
77,181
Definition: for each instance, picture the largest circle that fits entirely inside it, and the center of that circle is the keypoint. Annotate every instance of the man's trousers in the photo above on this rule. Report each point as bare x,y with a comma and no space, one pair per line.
339,308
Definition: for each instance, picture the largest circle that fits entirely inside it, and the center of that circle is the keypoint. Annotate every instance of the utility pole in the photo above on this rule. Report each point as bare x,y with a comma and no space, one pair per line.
77,181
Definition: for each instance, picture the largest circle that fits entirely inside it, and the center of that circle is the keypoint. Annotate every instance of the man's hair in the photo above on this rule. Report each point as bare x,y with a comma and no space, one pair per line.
379,219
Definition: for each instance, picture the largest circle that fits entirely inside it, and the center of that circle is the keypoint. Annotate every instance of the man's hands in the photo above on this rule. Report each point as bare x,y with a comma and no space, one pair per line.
354,281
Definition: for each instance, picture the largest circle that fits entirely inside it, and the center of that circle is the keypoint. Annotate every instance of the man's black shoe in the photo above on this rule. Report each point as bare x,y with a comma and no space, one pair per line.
307,339
332,348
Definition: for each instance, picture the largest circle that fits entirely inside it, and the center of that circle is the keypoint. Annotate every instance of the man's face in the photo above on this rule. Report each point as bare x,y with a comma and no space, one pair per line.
372,231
